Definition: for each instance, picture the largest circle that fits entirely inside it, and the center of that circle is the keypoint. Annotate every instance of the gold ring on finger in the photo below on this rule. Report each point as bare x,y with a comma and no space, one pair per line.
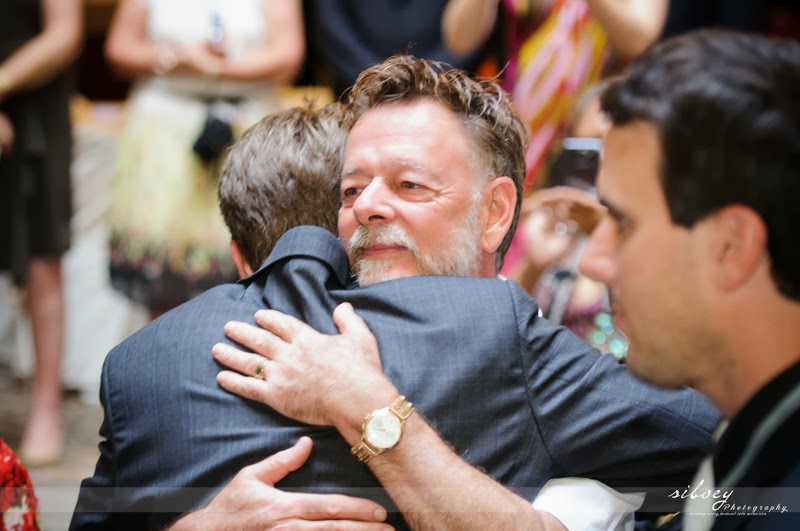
260,371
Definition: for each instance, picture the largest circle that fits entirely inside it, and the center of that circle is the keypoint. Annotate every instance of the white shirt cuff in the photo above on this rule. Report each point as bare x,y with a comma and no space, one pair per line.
586,504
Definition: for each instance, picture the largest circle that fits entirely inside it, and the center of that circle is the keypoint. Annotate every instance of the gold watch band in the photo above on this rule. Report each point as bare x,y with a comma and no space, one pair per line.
400,408
363,452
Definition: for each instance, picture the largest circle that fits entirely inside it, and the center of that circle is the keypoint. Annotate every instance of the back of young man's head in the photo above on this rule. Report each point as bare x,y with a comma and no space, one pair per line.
727,112
282,173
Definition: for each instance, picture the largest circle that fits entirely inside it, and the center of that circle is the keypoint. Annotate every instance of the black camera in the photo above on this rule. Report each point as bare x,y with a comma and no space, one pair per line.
578,163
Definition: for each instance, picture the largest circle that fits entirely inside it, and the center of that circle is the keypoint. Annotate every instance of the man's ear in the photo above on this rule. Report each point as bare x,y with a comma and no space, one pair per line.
739,245
499,213
242,266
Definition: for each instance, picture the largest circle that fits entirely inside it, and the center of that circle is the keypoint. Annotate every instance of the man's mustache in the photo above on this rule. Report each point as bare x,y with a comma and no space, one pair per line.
384,234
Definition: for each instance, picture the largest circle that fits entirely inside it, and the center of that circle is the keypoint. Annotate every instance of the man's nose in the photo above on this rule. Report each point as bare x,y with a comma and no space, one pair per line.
597,261
374,203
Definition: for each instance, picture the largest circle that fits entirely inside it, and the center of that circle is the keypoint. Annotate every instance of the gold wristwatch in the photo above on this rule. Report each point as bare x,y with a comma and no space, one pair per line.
382,429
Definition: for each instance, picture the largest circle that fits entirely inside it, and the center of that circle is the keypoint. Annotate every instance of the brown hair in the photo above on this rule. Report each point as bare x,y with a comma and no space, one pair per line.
283,172
498,134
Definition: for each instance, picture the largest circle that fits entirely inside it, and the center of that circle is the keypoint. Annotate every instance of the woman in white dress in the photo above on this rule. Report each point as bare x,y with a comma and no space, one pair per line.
189,57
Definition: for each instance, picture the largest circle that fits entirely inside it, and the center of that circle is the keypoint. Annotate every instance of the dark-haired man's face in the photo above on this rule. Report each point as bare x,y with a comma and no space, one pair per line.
653,268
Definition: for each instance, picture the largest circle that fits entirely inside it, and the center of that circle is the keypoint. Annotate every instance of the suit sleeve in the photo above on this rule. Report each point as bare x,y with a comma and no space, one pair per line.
95,507
599,421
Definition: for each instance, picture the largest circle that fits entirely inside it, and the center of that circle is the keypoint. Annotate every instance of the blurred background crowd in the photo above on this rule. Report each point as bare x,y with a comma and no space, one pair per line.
115,116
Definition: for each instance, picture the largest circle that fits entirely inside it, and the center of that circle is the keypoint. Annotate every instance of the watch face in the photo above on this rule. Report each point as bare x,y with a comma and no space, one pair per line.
383,429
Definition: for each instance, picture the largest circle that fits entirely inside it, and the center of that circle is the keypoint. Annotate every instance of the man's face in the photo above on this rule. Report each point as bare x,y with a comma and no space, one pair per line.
651,266
411,204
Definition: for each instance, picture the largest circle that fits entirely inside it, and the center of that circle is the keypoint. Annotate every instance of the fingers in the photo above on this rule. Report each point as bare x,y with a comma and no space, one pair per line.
348,321
336,507
339,525
565,193
275,467
315,506
284,326
566,208
238,360
6,134
256,339
245,386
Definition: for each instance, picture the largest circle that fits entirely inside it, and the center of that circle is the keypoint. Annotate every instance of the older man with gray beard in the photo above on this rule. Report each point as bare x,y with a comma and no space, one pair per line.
431,185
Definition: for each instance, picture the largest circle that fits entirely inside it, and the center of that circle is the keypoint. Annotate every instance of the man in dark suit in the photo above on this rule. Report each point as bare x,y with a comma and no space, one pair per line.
172,438
559,408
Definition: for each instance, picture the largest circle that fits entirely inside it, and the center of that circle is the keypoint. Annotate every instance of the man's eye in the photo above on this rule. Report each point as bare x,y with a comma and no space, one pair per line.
348,192
621,223
410,185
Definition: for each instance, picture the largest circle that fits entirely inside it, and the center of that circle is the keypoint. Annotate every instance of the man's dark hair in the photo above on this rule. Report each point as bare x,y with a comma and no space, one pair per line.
499,136
284,172
727,110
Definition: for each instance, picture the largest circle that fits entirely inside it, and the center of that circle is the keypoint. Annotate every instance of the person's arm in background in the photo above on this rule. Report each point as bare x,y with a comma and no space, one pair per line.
40,59
278,59
631,25
281,55
467,24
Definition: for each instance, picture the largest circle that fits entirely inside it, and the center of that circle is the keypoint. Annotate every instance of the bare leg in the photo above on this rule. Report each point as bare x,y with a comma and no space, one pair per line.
42,442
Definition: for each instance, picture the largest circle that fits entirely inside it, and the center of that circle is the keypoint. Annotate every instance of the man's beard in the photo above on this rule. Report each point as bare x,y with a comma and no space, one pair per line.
459,258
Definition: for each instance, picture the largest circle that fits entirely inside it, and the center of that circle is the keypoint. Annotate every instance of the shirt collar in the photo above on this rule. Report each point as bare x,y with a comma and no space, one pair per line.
311,242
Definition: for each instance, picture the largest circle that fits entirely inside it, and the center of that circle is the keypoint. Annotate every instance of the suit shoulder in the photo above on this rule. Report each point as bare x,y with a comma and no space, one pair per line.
191,322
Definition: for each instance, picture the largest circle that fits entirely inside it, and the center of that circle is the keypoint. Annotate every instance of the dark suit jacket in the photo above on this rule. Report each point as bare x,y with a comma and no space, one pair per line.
757,459
521,398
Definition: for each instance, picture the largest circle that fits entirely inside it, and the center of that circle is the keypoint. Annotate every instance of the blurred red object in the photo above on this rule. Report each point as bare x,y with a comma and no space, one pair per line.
18,504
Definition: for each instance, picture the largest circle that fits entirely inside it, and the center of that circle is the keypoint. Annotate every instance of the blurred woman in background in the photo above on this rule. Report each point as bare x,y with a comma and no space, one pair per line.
205,70
39,39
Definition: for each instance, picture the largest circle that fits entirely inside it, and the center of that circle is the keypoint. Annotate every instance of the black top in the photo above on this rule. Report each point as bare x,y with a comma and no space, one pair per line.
349,36
35,199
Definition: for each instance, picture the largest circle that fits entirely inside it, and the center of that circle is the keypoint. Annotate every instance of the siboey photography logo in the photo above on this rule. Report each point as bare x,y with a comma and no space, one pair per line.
722,502
717,497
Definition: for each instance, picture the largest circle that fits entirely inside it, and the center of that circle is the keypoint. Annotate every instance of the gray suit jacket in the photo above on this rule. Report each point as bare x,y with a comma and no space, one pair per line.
521,398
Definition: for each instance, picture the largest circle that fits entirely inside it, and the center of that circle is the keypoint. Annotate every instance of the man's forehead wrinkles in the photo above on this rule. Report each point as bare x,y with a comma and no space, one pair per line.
398,164
347,172
410,164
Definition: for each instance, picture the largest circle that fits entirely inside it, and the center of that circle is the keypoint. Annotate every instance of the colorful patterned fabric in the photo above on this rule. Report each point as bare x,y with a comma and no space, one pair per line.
564,54
18,504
